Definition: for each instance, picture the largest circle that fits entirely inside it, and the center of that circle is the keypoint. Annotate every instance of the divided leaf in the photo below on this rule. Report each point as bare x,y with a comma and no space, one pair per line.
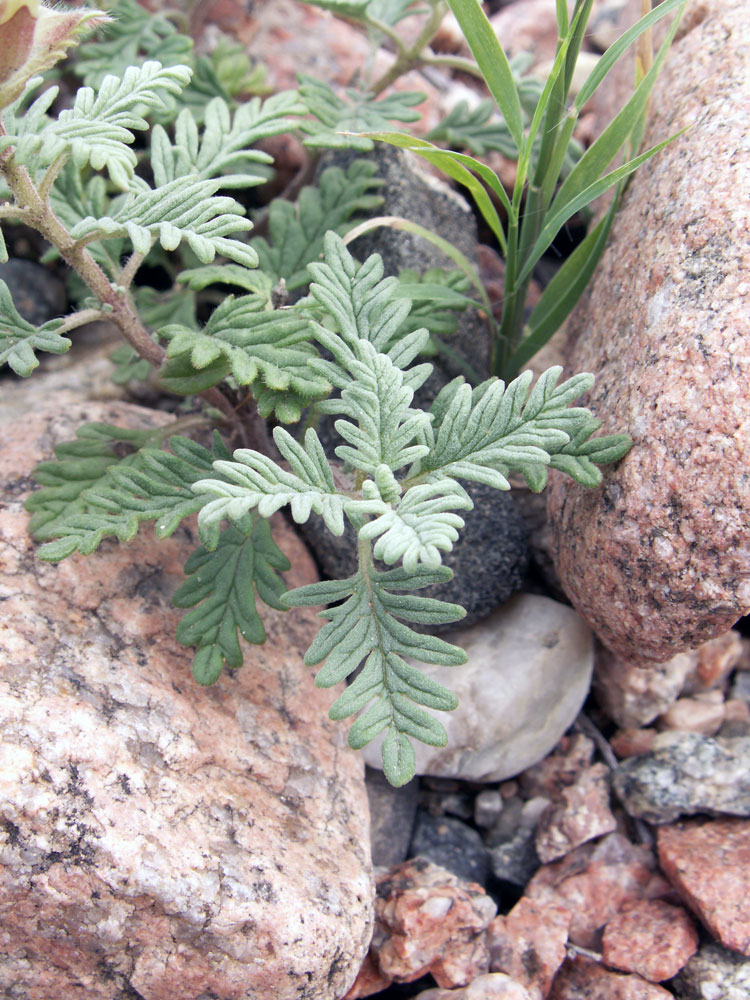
485,433
186,208
90,492
223,150
369,625
253,480
418,527
98,129
134,34
268,350
19,340
296,232
359,112
223,584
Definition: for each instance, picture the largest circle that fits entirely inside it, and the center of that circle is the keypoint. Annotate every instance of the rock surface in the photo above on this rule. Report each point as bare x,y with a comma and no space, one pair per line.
582,978
526,678
597,881
392,812
657,559
529,943
684,774
452,845
582,814
493,986
714,974
634,691
426,920
709,865
651,938
160,838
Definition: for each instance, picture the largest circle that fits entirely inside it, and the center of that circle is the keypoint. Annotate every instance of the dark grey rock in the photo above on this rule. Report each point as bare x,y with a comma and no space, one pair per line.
686,774
714,973
451,844
411,192
38,294
489,559
511,841
392,812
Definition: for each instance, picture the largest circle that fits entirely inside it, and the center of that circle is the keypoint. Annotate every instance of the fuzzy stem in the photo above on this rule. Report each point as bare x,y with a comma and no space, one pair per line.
81,318
39,216
128,272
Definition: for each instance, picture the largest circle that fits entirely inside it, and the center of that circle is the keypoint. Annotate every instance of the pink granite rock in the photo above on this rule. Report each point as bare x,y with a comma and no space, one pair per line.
651,938
159,838
596,881
426,920
582,813
493,986
658,558
695,715
529,943
582,978
559,769
709,865
634,691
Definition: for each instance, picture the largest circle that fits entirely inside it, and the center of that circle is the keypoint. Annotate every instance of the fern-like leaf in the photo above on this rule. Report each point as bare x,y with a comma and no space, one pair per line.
485,433
296,231
418,528
357,112
223,583
369,625
135,34
183,209
20,340
98,129
91,493
252,481
223,150
265,349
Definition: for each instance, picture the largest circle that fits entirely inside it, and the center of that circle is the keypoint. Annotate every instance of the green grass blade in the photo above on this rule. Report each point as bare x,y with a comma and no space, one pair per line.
561,295
615,51
600,154
492,61
459,259
562,18
557,220
455,166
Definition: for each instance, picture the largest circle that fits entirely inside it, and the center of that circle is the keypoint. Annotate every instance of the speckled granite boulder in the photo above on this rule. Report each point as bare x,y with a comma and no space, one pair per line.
159,839
658,558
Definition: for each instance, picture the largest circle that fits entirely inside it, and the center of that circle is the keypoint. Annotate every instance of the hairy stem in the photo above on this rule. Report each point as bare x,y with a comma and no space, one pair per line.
81,318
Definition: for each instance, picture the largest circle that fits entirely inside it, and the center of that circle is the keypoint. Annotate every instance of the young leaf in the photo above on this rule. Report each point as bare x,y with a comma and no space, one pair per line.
296,231
19,339
90,493
223,584
418,527
369,625
359,112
